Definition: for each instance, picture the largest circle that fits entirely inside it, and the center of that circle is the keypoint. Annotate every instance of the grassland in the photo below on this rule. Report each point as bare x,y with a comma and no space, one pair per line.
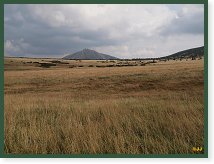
153,109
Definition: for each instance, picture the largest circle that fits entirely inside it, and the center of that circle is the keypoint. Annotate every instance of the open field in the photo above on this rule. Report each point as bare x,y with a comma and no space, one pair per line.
152,108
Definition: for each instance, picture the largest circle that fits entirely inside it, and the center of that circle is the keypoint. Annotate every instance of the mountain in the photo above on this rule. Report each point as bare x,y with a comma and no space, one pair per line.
190,53
87,54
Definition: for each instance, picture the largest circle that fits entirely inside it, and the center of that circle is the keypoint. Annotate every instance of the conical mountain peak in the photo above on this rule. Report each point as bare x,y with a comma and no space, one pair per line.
87,54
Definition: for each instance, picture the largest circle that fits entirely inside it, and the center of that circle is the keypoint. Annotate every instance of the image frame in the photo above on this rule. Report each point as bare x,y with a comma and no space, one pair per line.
204,2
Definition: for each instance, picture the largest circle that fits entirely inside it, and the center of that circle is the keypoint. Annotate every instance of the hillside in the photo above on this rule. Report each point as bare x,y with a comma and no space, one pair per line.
190,53
87,54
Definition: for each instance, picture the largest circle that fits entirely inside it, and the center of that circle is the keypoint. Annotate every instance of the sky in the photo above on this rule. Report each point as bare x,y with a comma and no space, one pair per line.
123,31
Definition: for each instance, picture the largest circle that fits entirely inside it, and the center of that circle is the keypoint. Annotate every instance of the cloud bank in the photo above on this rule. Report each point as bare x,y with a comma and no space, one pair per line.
124,31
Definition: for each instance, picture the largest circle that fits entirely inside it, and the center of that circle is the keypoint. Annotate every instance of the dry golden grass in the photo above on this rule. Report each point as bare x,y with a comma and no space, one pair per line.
154,109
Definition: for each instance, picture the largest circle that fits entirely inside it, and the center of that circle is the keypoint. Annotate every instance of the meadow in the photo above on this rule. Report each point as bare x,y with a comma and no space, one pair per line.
92,107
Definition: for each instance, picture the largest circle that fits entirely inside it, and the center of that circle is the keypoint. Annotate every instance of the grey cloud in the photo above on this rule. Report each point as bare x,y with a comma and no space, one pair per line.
44,39
189,23
49,31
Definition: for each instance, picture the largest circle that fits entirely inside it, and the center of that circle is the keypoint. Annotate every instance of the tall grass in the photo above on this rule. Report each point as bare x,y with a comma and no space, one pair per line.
139,113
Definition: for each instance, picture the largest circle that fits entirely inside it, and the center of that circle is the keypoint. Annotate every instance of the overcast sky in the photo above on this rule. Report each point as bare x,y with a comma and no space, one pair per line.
124,31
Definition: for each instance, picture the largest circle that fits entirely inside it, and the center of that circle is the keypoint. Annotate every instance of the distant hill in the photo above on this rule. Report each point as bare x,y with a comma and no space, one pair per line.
190,53
87,54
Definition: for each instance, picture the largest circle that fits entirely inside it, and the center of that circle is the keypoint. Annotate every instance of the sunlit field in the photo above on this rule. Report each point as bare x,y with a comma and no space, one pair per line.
103,107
